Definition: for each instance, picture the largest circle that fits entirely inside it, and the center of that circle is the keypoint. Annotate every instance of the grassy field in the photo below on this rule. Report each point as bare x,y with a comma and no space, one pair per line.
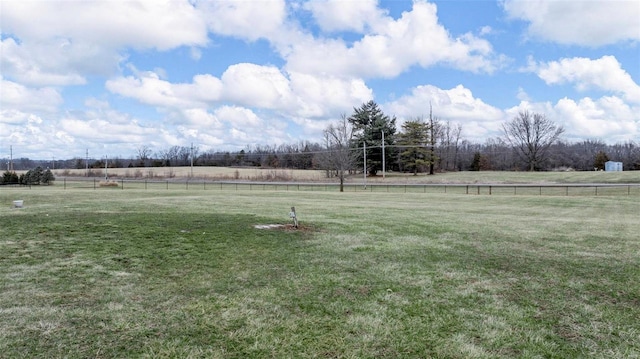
274,174
163,274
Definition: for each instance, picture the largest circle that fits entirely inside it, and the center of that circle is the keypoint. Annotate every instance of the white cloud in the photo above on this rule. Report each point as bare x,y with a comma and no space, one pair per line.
522,95
603,74
479,120
16,96
239,117
245,127
585,22
606,118
141,24
250,20
392,47
148,88
248,85
61,45
49,63
320,96
340,15
257,86
201,118
456,104
32,136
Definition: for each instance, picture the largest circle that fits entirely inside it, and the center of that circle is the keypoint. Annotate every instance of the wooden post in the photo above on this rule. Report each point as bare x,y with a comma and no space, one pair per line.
293,216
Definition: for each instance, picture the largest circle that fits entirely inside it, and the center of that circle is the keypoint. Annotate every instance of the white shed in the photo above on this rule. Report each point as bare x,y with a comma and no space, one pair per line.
611,166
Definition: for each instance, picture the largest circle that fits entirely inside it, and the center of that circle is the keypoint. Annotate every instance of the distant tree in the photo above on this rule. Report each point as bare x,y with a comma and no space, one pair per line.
599,161
531,134
338,156
36,175
240,158
97,164
144,152
434,132
369,123
48,177
475,165
10,177
450,137
413,140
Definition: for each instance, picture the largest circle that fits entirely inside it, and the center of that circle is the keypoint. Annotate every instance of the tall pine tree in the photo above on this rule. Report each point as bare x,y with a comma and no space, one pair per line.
413,140
369,123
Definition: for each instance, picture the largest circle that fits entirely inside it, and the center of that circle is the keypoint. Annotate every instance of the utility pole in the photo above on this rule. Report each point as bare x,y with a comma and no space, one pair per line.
364,149
432,134
11,158
383,166
191,159
86,165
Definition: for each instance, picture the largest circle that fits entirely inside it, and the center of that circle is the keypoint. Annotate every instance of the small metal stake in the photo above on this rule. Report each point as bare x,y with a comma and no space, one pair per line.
293,216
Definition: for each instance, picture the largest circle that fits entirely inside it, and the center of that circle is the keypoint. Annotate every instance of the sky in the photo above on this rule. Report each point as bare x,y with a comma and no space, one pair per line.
109,77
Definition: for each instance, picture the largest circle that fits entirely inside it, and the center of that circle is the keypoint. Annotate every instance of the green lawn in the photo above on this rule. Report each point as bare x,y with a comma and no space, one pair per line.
162,273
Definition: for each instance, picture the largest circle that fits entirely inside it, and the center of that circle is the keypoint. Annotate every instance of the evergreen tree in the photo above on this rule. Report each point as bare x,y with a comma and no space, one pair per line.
601,158
475,164
48,177
369,123
9,177
413,141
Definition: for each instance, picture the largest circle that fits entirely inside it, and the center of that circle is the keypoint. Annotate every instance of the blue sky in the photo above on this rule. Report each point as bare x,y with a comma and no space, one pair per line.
113,76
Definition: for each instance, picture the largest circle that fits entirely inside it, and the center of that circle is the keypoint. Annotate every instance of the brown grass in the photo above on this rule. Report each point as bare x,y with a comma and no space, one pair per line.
202,172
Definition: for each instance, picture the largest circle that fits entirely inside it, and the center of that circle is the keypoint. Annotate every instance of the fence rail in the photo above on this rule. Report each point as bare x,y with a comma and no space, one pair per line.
577,189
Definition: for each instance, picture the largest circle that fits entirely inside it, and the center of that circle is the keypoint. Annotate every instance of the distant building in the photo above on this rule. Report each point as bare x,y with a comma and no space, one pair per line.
611,166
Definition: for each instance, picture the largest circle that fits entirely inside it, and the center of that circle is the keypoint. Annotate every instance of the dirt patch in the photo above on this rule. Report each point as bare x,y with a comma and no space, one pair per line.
284,227
268,226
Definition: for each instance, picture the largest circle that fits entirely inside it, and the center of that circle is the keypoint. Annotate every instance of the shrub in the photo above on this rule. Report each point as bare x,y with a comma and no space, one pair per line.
108,184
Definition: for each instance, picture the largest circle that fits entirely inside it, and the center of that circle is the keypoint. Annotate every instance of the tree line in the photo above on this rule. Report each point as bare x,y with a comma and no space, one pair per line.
530,141
36,176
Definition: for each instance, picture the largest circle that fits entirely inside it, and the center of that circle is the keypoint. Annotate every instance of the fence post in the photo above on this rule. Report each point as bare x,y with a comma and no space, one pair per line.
122,183
94,183
64,181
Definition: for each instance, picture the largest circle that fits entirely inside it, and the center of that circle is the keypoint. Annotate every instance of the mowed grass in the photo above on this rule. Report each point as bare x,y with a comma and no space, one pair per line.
280,174
162,274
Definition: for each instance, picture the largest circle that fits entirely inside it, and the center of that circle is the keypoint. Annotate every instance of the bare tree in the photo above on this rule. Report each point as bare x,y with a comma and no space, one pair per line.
531,134
435,127
144,152
339,156
449,146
